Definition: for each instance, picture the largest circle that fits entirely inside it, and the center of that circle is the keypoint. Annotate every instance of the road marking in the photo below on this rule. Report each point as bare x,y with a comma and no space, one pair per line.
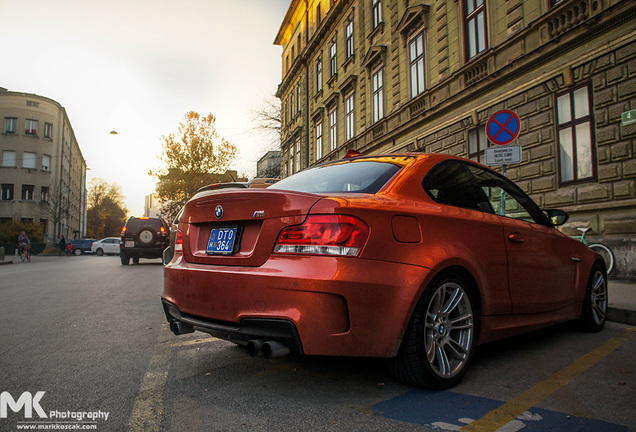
147,410
148,407
509,411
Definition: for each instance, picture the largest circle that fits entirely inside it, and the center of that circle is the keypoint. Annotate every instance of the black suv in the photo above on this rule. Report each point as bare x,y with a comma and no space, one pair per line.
143,238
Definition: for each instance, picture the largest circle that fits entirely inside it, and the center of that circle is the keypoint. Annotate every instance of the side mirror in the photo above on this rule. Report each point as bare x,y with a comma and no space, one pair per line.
557,217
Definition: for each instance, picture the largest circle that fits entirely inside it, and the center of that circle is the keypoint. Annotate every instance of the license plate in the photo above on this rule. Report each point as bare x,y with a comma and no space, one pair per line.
129,243
222,241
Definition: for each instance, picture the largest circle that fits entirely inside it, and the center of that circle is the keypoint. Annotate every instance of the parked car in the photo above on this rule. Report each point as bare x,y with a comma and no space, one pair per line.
108,246
80,246
143,237
417,258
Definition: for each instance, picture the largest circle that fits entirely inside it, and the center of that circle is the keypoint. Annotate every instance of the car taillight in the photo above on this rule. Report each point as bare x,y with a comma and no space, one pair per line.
178,242
123,231
324,235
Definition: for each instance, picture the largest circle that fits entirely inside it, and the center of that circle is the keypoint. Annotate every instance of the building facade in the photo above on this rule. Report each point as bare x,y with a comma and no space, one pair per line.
407,75
43,172
268,166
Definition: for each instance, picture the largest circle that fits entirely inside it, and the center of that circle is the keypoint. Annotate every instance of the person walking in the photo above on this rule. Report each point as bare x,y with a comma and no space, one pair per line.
62,246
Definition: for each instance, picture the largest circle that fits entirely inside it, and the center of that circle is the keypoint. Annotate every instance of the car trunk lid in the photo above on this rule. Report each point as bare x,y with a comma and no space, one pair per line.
252,217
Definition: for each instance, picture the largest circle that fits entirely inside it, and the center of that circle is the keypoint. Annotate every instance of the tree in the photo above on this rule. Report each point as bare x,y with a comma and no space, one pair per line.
193,157
267,120
106,213
58,208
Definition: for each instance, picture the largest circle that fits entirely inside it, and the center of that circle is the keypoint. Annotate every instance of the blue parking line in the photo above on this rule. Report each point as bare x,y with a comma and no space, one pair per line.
451,411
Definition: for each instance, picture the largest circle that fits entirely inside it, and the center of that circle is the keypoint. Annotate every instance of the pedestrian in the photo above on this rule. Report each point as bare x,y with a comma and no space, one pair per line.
62,246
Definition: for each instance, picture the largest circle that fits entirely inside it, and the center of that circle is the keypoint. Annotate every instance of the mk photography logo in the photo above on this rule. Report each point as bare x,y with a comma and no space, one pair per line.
30,404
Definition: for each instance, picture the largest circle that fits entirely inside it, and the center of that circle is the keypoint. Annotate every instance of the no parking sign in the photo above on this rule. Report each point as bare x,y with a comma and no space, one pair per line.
503,127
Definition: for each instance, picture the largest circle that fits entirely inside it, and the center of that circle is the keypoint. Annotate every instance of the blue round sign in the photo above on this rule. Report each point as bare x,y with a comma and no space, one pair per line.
503,127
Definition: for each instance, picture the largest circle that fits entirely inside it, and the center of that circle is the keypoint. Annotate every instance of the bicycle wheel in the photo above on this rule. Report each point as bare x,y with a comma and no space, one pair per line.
606,254
28,255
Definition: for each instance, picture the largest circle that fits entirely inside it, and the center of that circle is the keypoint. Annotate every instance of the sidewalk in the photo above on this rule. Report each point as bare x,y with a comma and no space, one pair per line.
622,302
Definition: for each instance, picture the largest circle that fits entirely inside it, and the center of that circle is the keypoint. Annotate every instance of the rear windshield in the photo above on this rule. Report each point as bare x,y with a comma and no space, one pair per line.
366,175
134,224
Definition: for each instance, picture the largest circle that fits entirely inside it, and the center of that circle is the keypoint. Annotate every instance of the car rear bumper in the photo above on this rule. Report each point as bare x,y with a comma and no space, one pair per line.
332,306
153,252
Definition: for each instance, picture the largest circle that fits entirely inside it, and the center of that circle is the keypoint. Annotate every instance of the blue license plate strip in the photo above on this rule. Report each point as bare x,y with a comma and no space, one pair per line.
222,241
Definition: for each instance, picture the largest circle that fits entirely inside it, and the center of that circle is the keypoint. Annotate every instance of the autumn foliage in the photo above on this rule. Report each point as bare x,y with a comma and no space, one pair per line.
193,157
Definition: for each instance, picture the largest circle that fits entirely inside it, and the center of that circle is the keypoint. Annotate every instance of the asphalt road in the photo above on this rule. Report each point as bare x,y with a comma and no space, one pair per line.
90,334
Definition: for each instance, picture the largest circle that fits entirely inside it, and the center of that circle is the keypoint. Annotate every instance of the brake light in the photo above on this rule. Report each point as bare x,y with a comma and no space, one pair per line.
123,231
163,230
324,235
178,242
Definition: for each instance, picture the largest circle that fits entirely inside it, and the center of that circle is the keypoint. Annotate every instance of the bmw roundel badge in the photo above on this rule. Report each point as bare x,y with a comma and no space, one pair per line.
218,212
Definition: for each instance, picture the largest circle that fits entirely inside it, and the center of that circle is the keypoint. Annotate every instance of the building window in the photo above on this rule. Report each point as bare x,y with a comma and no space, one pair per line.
28,160
44,194
8,158
349,39
377,85
297,156
298,98
319,141
574,129
333,129
333,64
318,75
46,163
376,12
10,125
291,105
318,15
27,192
475,27
477,143
553,3
48,130
31,127
349,117
416,59
7,192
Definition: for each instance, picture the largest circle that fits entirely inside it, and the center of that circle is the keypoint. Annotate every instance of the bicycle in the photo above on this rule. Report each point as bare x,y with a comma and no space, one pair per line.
25,252
605,252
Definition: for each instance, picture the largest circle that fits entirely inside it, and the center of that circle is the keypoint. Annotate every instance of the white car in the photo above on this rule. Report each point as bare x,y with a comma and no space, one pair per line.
108,245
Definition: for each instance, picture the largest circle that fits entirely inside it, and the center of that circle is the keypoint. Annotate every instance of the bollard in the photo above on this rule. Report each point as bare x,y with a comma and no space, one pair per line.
1,253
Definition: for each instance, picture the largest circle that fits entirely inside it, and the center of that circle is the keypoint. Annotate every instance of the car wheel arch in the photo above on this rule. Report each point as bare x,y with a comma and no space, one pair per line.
431,281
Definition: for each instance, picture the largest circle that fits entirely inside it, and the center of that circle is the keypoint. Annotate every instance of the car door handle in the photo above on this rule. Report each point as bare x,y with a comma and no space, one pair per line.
516,238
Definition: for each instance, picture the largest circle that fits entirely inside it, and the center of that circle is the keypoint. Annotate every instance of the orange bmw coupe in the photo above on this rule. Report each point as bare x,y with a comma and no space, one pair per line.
416,257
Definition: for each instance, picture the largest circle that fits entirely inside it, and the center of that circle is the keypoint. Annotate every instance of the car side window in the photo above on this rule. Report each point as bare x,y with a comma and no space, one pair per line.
451,183
506,198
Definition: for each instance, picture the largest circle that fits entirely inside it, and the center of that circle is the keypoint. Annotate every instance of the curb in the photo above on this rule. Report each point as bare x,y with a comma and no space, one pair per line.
621,316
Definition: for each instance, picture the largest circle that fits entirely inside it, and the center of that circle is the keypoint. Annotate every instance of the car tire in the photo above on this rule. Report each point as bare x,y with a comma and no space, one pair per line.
99,252
594,311
146,237
125,260
440,339
77,252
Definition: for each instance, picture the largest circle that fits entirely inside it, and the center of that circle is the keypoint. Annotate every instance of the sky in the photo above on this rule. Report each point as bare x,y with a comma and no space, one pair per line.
138,66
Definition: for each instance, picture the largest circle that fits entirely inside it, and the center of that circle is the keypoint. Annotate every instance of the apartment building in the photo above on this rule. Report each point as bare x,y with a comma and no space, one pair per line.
405,75
43,172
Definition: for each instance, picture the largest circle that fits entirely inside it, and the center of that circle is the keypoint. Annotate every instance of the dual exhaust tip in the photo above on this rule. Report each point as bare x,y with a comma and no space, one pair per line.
267,349
255,347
